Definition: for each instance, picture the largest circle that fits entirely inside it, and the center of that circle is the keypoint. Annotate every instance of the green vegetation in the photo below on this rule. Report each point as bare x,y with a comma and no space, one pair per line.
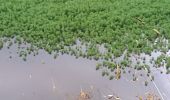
98,66
160,59
125,63
163,59
168,63
121,24
23,55
92,51
135,26
109,65
1,44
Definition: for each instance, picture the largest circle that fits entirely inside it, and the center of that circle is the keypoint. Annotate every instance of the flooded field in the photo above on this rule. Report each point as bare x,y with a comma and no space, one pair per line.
84,50
42,77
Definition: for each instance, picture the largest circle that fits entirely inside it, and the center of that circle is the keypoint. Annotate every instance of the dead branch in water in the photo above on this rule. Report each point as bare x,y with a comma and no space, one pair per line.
84,95
149,97
118,72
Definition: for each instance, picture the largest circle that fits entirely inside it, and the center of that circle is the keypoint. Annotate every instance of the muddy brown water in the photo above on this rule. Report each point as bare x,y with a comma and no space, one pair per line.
42,77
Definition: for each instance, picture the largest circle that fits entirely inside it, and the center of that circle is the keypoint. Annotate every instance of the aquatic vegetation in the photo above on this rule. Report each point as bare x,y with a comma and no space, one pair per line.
23,54
108,56
24,58
55,55
134,26
112,69
146,83
110,65
98,66
148,50
138,62
168,71
124,63
144,61
96,57
147,68
167,62
111,77
103,73
151,61
117,53
160,59
92,51
9,44
164,50
107,73
63,22
1,44
152,78
134,78
139,67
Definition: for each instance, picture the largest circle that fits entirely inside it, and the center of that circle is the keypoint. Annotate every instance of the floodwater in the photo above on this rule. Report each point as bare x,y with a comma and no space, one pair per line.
42,77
